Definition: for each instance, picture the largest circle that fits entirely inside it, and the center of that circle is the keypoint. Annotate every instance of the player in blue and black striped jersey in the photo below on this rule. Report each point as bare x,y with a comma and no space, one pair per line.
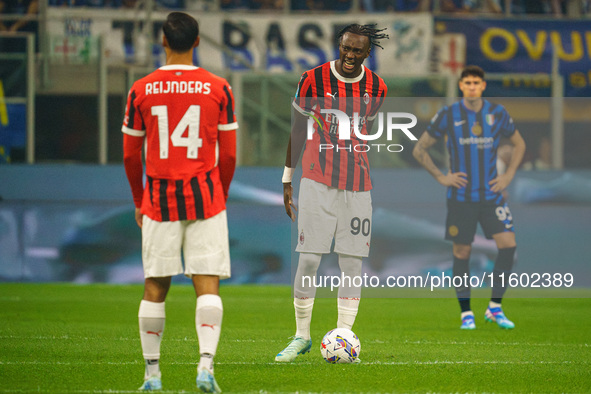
473,128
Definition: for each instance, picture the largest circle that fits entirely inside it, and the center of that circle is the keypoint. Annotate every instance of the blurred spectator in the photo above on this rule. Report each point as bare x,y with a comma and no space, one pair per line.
67,3
337,5
462,6
321,5
95,3
171,4
556,7
543,161
234,4
106,3
267,4
309,5
412,5
26,10
452,6
396,5
253,5
18,16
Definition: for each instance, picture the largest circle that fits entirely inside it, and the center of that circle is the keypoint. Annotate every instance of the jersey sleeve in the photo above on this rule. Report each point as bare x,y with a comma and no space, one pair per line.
438,126
304,96
132,160
507,126
133,124
227,120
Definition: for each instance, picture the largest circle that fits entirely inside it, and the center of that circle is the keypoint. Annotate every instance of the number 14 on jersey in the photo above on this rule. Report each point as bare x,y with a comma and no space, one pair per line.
189,120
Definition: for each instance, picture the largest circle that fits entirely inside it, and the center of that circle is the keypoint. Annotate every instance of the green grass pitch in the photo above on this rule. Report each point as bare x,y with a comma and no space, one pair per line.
79,339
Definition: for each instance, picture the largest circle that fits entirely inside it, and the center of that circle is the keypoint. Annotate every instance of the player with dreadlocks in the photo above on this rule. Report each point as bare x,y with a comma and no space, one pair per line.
334,197
374,35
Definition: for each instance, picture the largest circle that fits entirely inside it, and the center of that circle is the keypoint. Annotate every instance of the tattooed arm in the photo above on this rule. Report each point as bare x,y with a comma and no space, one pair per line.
456,179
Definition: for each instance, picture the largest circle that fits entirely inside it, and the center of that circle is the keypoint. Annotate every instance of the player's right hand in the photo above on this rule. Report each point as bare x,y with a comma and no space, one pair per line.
290,208
138,217
454,179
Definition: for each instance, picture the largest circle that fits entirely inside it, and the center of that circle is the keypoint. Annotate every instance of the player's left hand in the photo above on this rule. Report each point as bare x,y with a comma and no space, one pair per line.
500,183
138,217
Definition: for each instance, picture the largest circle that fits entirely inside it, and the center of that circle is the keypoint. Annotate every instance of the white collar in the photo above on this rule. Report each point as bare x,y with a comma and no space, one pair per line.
345,79
178,67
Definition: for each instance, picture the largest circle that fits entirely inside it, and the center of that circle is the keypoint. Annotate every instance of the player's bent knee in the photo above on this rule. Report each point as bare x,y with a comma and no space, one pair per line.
462,251
206,284
505,240
155,289
309,262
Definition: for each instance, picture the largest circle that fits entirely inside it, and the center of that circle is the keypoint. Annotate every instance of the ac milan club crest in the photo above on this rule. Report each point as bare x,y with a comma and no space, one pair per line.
302,237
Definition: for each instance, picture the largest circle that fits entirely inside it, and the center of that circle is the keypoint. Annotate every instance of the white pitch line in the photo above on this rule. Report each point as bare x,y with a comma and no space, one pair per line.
90,391
418,363
76,338
493,343
194,339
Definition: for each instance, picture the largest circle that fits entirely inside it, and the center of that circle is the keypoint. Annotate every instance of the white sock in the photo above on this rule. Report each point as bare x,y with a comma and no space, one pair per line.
349,295
351,271
208,321
152,369
151,318
205,361
492,305
303,314
467,313
303,301
347,308
307,266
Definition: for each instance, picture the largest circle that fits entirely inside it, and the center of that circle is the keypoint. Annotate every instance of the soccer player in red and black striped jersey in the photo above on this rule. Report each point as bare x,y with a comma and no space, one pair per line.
334,198
474,127
184,115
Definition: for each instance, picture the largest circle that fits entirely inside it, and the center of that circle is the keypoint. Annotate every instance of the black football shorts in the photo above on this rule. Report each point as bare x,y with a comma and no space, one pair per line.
463,217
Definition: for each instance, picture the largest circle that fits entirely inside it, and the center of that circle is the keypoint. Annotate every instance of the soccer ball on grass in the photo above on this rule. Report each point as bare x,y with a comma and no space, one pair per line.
340,346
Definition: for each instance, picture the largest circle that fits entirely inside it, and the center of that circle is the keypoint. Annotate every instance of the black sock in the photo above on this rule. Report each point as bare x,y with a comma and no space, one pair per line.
461,267
464,304
503,266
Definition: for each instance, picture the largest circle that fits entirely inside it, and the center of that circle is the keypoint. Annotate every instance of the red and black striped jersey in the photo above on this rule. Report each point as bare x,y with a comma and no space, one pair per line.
335,162
179,111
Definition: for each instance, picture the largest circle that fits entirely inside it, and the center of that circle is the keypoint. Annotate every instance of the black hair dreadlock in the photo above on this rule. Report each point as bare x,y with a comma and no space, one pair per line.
369,31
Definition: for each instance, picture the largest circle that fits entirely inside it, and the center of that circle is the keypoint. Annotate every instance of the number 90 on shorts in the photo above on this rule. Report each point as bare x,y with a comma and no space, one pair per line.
326,213
360,226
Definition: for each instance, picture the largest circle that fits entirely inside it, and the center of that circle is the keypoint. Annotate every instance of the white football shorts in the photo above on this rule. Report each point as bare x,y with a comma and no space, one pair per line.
325,213
204,244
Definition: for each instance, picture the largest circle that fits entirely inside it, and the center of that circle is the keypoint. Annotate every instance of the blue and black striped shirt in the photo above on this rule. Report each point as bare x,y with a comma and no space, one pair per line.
472,142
